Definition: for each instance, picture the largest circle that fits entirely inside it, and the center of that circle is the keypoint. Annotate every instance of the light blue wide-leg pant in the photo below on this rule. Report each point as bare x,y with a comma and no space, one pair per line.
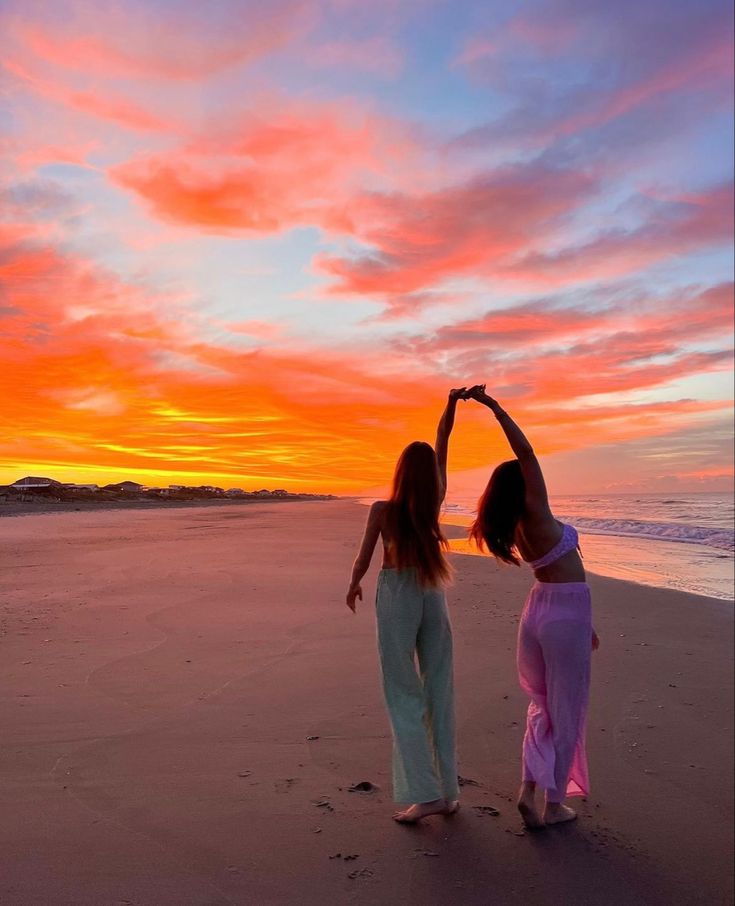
413,620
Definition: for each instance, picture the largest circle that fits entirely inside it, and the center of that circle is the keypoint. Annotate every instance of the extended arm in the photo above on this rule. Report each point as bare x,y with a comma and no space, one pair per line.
446,423
536,495
365,554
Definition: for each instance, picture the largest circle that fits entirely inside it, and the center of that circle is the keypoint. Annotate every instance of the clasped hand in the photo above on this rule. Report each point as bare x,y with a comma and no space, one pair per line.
477,392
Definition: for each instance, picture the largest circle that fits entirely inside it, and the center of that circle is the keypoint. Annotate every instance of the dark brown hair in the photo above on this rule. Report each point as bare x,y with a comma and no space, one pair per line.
412,515
498,512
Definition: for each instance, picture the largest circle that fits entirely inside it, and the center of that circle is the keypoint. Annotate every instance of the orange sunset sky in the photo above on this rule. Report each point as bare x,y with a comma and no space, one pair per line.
255,243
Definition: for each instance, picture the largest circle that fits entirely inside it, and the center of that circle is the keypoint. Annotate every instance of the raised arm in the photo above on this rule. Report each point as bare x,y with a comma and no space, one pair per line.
446,423
365,554
537,498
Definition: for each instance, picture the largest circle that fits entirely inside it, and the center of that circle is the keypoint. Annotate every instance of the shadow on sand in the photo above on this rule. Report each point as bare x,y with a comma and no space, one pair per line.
475,859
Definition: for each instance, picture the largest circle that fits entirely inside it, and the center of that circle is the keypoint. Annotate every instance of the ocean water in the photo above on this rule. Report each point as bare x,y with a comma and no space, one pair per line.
679,541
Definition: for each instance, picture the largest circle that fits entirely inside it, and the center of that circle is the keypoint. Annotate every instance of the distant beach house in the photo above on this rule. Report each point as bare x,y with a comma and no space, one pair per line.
80,487
31,482
124,486
235,492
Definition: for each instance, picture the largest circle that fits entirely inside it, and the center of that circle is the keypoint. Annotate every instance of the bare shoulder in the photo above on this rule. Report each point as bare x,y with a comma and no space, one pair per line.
377,509
378,516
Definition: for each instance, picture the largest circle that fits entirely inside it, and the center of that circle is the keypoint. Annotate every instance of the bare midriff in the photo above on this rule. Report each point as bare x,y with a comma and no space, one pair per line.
568,568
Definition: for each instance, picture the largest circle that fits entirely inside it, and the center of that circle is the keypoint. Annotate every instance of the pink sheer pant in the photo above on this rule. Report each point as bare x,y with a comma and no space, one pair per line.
554,650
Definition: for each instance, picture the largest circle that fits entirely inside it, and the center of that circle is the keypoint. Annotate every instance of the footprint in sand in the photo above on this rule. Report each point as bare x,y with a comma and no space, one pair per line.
486,810
467,781
364,786
360,873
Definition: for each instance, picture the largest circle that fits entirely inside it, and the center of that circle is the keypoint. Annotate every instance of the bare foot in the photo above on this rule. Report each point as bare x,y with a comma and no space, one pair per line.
451,806
556,813
527,808
421,810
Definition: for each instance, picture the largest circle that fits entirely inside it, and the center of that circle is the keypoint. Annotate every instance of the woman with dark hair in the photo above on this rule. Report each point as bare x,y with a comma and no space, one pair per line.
413,621
555,636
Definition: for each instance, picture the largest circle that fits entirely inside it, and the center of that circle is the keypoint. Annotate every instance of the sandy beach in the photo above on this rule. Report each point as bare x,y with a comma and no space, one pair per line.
187,700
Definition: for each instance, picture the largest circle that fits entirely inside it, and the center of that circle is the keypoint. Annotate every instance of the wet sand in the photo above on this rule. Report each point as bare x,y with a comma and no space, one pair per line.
186,701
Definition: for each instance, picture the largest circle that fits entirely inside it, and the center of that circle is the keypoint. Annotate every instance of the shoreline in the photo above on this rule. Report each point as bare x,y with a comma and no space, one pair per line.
453,529
727,603
722,606
649,562
639,562
452,524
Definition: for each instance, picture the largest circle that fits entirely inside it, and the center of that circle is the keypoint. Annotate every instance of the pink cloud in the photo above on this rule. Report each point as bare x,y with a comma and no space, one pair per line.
624,65
684,315
78,153
135,41
682,226
108,105
263,330
544,354
472,228
286,167
710,64
498,227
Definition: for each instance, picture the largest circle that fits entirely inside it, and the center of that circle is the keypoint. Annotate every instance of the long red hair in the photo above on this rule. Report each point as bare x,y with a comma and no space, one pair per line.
412,516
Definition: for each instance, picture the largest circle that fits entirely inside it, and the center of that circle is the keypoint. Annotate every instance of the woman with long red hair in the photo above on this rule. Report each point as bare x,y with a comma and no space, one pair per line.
413,621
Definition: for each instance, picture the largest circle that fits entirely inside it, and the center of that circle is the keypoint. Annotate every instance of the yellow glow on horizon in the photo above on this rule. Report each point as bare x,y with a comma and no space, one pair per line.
66,472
